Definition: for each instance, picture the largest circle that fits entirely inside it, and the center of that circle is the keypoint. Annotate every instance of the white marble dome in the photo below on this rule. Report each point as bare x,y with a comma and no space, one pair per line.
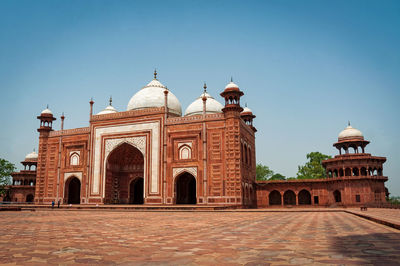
196,107
31,156
108,110
152,95
47,111
231,85
246,110
350,132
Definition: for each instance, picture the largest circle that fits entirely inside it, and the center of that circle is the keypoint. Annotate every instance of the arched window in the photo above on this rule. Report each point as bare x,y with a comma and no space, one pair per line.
185,152
74,159
347,172
241,152
245,154
249,154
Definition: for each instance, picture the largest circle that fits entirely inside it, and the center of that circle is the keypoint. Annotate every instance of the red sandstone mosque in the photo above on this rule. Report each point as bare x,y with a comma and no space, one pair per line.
151,154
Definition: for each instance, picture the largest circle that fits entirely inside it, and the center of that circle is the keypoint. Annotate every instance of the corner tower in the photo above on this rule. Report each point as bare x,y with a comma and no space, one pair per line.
355,164
46,125
233,177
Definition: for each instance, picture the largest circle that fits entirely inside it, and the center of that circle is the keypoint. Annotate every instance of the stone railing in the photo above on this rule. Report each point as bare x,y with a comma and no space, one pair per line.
194,118
66,132
125,114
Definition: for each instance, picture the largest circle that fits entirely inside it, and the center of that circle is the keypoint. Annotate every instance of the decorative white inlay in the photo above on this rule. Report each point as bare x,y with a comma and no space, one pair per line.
179,170
138,142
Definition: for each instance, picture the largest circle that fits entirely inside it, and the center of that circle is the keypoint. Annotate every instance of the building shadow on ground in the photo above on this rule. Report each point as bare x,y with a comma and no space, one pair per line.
376,249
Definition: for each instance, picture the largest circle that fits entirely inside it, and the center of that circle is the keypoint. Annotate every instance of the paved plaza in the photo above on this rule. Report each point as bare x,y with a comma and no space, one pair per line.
176,238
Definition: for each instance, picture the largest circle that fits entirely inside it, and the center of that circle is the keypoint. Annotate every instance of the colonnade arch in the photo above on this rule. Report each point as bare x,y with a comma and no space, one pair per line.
304,197
289,197
355,171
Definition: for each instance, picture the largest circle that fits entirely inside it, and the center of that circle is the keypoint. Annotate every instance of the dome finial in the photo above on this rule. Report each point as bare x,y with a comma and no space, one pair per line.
205,87
47,106
348,123
33,149
231,79
245,105
110,100
155,73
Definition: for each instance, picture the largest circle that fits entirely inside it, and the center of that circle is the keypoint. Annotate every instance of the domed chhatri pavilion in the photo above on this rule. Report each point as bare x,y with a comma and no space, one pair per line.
352,178
151,154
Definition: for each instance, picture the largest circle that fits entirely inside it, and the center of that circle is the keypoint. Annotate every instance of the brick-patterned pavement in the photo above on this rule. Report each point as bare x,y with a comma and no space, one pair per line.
389,215
224,238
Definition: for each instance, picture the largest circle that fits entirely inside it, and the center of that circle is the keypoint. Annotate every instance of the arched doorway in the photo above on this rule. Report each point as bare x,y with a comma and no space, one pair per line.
185,188
304,197
289,198
136,191
73,187
123,163
29,198
275,198
337,195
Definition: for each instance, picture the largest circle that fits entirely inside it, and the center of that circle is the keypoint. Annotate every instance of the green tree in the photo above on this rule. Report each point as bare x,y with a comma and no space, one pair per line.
277,176
313,169
263,172
394,200
6,168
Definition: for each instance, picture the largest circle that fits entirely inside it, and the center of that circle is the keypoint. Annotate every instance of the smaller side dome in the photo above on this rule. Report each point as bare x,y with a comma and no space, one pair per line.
231,86
196,107
31,156
109,109
350,133
246,110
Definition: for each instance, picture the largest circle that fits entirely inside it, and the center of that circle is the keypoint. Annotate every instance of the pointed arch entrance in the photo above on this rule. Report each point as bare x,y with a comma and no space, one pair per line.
136,191
124,163
185,189
275,198
289,198
73,190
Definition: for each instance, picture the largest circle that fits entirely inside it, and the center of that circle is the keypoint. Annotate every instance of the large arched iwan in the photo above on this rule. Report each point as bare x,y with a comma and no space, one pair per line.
124,163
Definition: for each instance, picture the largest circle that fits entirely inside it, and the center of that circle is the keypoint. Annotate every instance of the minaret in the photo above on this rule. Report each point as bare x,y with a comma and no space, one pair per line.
232,95
232,109
46,123
248,116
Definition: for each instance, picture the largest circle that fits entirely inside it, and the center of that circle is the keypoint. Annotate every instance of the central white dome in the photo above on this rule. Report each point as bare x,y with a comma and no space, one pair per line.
152,95
196,107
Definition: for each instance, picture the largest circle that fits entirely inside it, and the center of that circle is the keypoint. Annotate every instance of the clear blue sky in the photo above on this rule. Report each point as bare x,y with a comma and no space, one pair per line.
306,67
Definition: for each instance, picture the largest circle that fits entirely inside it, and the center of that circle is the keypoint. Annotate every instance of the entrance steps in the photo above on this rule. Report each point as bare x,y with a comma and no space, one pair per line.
129,207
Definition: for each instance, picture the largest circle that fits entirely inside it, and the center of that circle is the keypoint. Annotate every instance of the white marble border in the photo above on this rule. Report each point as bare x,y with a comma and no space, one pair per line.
178,170
153,127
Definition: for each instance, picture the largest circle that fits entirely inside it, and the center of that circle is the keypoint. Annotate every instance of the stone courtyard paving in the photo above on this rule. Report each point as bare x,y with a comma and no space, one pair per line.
177,238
